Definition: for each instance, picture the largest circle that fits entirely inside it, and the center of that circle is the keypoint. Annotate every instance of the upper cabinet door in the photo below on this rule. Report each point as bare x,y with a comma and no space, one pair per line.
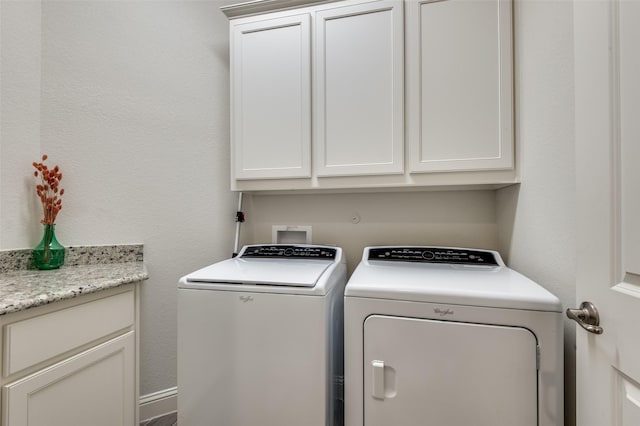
459,85
358,89
271,98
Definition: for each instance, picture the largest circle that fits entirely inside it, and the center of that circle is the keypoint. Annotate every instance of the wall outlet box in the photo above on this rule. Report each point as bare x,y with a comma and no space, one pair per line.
290,234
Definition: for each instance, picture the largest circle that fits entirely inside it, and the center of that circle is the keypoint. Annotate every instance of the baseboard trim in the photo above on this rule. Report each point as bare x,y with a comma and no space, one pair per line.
158,403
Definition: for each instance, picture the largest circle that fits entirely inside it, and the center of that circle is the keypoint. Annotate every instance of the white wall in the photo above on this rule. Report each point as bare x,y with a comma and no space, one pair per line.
20,61
454,218
130,98
536,218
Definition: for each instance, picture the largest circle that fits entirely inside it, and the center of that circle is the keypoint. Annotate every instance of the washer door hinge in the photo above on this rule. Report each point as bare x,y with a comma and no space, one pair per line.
538,357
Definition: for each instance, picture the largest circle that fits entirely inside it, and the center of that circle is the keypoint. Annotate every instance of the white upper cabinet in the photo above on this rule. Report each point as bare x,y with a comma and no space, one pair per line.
459,85
271,98
359,90
371,94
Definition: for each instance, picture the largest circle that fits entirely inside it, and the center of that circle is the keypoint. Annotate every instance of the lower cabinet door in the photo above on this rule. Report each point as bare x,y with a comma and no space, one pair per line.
95,387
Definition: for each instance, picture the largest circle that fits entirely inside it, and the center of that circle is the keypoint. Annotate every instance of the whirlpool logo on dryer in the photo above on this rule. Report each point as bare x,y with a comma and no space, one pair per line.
443,312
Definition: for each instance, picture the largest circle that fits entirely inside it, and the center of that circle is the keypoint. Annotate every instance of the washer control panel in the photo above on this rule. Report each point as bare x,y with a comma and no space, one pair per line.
433,255
289,251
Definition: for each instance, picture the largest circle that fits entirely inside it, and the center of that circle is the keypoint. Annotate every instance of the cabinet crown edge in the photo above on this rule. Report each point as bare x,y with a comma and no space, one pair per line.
255,7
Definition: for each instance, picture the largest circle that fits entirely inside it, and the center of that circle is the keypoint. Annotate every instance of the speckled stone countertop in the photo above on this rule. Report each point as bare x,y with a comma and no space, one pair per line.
86,270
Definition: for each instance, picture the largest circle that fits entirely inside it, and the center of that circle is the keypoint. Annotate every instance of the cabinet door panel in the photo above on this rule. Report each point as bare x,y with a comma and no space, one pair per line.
95,388
271,98
459,88
359,90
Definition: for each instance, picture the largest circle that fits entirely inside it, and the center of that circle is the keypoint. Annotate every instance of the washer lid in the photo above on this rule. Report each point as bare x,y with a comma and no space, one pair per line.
461,284
258,271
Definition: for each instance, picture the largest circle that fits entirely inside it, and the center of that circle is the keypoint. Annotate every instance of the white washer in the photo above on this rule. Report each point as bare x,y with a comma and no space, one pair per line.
450,336
260,339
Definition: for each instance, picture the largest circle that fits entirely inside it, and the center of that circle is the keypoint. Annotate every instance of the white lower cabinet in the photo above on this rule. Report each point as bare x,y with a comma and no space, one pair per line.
72,362
95,387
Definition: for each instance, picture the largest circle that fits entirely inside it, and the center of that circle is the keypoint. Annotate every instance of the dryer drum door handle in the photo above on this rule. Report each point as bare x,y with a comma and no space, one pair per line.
587,317
377,370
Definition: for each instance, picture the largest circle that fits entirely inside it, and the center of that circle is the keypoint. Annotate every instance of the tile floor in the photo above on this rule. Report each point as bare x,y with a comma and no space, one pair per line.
170,419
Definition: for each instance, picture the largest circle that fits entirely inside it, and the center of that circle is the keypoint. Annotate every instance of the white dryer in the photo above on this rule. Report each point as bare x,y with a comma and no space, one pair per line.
452,337
260,339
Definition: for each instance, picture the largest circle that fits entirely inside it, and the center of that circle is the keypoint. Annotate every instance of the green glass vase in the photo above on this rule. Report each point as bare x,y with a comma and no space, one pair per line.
49,254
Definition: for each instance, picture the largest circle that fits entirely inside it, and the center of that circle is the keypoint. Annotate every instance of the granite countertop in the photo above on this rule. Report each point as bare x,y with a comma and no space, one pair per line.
86,270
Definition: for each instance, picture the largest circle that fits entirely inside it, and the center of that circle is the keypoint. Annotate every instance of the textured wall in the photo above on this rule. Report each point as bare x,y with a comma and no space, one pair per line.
135,104
131,99
536,219
20,60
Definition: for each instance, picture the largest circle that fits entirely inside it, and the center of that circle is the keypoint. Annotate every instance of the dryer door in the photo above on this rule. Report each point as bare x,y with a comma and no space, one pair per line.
419,372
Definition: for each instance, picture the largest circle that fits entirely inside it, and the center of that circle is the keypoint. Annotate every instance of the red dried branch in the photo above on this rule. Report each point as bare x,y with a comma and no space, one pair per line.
48,190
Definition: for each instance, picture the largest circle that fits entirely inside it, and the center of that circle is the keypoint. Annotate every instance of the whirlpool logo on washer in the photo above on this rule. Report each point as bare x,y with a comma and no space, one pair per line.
246,299
443,312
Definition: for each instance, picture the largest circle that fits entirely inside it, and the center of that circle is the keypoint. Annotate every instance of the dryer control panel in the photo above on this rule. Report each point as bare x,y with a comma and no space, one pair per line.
289,251
433,255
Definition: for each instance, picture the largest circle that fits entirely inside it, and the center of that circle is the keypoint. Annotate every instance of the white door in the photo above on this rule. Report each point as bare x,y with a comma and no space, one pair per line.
607,85
449,373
